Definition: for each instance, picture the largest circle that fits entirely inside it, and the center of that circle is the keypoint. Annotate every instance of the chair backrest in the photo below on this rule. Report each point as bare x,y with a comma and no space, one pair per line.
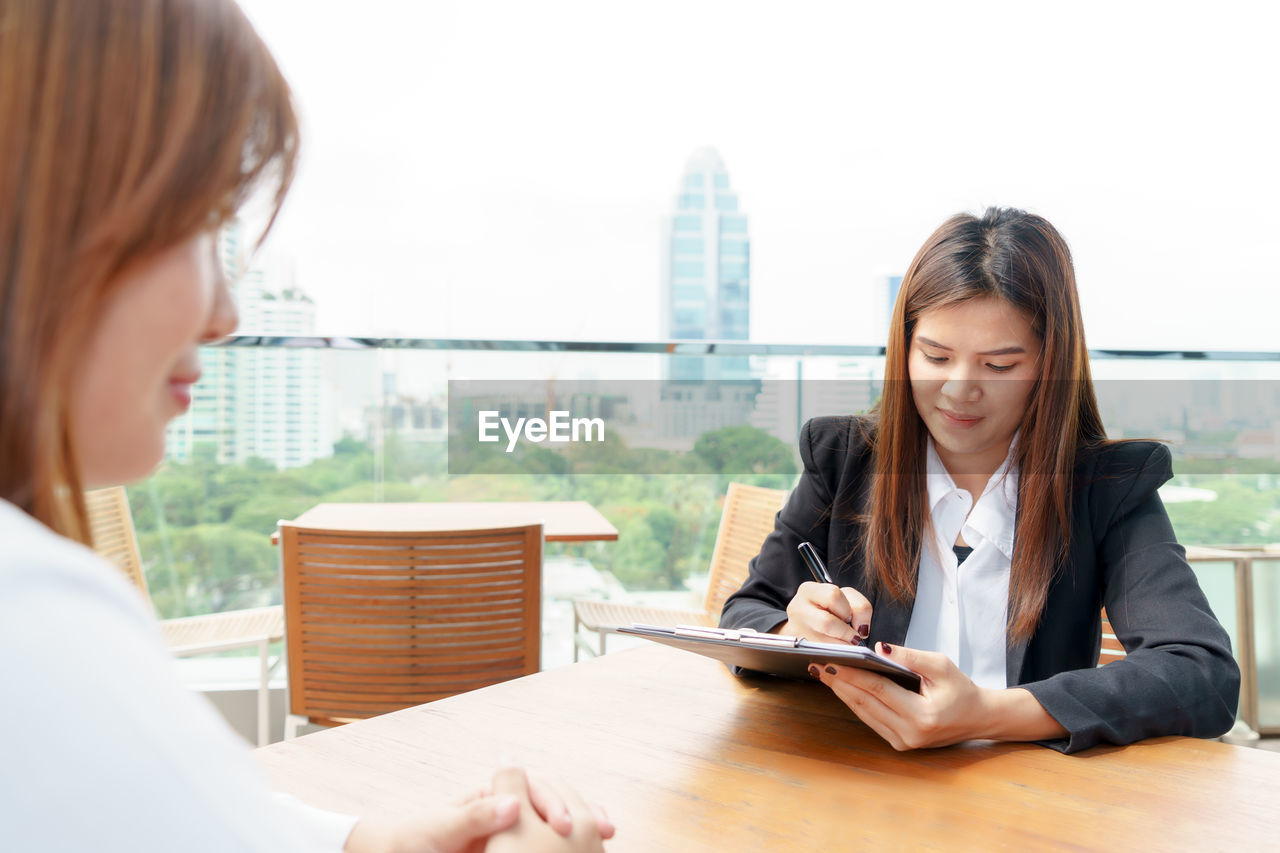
747,520
111,526
379,621
1111,650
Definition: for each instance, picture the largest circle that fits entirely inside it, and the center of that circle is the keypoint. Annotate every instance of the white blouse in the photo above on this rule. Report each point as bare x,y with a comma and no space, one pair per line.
104,748
961,608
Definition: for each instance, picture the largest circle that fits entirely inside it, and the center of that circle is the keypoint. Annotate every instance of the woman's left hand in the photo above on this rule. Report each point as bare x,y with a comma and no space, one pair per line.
469,826
948,709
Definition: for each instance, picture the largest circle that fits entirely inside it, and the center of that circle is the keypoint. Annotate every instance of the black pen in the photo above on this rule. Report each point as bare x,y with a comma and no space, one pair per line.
819,570
814,562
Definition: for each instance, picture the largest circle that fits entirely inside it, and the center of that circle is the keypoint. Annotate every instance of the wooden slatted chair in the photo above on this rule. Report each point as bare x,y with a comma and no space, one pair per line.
114,538
1111,650
379,621
747,519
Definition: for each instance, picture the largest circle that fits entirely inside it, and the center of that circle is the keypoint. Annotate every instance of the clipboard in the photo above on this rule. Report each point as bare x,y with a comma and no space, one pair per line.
776,654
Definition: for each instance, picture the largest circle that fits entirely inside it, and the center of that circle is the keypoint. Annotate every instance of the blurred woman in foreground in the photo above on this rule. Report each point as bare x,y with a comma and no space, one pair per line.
131,130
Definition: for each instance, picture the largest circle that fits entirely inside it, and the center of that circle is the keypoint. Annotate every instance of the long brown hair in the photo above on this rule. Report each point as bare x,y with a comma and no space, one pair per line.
127,127
1021,259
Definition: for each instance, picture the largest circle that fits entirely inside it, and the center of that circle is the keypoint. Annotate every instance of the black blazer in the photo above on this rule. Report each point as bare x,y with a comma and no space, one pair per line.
1178,677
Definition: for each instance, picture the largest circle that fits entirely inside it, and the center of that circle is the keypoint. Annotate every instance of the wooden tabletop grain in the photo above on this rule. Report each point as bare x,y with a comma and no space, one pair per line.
686,757
562,521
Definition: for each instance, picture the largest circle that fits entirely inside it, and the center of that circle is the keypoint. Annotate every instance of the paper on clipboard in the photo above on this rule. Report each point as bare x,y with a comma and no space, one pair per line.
776,654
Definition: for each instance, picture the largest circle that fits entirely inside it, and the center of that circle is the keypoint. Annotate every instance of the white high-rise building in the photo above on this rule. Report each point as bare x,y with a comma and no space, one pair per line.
269,403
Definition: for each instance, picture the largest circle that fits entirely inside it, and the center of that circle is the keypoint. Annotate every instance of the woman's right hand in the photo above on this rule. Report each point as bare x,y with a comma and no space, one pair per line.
828,614
531,834
512,813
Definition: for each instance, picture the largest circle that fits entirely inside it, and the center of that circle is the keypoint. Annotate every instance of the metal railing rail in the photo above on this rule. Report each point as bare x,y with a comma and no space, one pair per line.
684,348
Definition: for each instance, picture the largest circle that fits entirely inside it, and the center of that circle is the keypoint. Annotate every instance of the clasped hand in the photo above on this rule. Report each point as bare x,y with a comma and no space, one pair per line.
515,812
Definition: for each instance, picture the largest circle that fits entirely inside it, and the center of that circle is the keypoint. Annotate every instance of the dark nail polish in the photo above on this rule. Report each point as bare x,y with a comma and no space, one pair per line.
864,631
886,649
831,670
813,670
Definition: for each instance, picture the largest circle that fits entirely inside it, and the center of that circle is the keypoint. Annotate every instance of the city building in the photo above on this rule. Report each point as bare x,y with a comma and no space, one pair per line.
686,410
408,416
706,270
846,387
269,403
885,295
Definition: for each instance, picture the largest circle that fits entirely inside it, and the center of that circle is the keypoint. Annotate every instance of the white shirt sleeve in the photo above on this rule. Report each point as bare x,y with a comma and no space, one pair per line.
104,749
319,829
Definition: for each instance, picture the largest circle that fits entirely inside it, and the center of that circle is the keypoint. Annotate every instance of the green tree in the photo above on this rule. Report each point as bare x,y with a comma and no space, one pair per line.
1238,515
204,527
745,449
208,568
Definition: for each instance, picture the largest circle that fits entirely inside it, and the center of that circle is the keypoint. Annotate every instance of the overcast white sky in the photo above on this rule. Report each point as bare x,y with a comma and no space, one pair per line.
501,169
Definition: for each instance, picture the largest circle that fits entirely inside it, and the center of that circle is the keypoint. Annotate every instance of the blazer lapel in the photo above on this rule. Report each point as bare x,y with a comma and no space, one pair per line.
890,619
1015,652
1014,655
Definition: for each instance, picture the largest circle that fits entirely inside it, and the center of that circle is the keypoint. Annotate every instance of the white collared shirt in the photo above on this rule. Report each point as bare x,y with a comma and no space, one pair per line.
961,609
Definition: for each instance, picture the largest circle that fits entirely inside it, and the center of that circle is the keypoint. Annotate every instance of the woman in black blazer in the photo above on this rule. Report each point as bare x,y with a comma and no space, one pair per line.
988,393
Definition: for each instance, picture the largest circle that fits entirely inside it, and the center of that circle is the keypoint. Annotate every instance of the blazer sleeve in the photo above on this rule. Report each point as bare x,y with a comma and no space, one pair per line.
777,571
1178,676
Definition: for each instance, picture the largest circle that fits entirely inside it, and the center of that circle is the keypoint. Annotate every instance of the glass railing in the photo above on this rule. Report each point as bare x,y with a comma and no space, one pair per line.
1265,619
281,424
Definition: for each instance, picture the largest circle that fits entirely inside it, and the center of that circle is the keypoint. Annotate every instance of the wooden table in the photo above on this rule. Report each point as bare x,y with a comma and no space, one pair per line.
562,521
686,757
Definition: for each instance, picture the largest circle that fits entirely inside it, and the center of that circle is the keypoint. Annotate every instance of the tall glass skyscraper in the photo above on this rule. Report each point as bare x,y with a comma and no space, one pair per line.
706,278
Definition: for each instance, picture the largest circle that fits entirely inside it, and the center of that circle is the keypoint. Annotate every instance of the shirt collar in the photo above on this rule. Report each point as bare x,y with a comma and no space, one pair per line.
994,515
938,482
